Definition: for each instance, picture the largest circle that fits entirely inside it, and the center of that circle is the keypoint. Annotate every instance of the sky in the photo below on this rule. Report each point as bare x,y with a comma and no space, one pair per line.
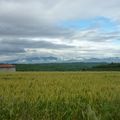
67,29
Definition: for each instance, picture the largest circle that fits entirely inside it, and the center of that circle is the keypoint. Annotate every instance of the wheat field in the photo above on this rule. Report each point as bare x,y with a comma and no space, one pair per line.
60,96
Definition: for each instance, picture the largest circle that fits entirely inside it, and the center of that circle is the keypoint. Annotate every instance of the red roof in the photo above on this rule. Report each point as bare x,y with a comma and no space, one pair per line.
6,66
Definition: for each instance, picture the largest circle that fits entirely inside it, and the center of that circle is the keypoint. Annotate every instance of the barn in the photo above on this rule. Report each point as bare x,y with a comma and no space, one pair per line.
7,68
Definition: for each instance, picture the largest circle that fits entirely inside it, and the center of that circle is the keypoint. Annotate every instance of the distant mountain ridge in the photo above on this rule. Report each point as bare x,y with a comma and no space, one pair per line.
34,60
52,59
107,60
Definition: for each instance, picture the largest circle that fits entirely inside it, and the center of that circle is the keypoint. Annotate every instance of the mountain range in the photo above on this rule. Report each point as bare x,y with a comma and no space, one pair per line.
52,59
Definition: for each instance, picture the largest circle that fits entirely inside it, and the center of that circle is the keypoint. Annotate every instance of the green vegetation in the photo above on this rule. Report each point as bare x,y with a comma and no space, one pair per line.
106,67
69,67
60,96
56,66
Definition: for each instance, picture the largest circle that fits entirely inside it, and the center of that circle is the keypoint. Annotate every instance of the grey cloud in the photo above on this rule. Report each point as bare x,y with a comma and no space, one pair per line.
5,50
40,17
95,35
19,46
35,31
28,18
34,44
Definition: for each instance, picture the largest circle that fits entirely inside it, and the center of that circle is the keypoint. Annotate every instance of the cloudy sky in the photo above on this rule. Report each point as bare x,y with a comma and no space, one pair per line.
68,29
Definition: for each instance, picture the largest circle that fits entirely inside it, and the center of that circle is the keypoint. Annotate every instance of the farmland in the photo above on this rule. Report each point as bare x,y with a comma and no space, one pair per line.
60,96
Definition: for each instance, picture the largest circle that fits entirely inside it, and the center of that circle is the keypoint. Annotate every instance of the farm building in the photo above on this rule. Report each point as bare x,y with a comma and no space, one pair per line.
7,68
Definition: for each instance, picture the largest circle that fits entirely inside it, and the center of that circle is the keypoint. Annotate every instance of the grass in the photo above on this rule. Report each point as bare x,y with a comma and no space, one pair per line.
60,96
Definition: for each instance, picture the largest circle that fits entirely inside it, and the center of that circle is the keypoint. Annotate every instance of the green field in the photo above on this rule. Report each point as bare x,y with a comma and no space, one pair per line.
60,96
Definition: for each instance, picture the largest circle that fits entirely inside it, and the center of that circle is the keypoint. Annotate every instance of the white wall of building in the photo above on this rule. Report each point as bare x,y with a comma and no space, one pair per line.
7,69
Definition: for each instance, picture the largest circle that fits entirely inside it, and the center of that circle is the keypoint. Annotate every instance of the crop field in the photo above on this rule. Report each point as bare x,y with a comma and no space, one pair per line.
60,96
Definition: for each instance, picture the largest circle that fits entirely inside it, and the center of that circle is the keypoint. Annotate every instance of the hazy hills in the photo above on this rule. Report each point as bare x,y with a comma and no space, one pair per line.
52,59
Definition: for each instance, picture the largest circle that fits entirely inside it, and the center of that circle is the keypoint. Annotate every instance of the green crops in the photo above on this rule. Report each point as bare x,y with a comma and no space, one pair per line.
60,96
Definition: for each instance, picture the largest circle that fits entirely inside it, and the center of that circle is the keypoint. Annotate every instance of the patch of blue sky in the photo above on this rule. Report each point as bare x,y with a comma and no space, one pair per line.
106,24
117,42
102,23
77,24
